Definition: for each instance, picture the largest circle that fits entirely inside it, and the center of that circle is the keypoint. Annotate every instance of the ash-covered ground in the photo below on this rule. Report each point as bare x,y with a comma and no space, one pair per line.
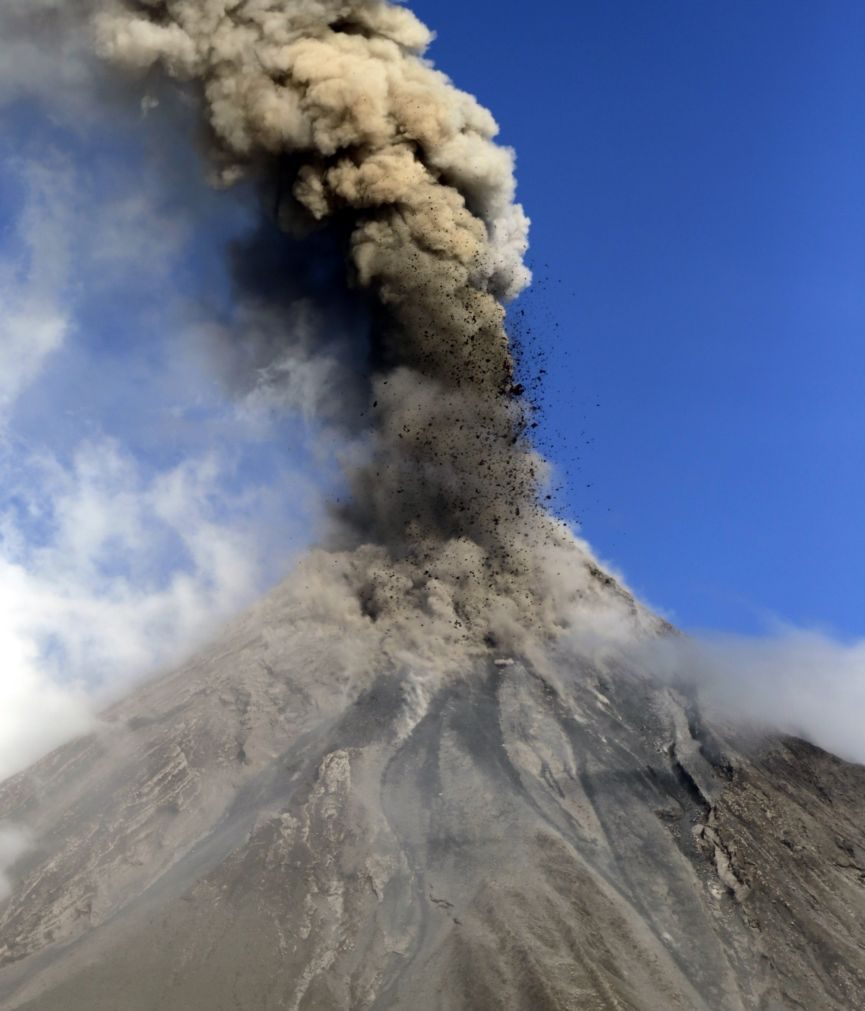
281,823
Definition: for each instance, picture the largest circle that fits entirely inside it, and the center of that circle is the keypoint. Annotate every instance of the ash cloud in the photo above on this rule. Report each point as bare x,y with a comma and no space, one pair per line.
371,158
370,142
371,297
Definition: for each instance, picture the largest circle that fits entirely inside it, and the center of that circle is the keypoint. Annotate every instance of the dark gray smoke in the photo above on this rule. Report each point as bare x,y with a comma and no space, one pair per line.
332,108
334,105
373,295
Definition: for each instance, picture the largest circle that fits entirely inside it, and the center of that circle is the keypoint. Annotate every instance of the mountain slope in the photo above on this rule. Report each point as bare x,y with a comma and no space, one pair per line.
261,830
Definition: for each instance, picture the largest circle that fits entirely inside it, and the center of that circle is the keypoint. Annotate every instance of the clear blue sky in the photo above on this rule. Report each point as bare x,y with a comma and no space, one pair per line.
695,172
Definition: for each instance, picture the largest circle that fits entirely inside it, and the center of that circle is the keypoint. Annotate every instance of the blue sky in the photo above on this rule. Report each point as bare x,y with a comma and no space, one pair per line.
694,173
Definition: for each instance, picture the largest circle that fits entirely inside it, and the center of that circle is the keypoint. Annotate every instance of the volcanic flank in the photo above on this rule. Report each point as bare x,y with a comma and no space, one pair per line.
426,771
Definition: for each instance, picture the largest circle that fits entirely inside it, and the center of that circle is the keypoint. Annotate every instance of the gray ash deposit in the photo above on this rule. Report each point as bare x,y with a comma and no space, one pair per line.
285,823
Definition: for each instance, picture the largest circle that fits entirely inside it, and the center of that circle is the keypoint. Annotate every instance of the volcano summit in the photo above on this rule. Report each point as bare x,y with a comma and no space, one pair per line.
283,823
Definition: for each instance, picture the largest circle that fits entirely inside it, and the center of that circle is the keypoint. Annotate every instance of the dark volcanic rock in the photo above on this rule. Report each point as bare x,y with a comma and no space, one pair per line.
252,832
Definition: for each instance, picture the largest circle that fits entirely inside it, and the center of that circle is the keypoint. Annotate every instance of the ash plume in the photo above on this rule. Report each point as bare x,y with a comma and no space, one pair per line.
385,148
347,129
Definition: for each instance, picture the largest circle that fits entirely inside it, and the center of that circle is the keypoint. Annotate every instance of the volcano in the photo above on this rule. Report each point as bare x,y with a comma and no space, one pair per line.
429,771
262,829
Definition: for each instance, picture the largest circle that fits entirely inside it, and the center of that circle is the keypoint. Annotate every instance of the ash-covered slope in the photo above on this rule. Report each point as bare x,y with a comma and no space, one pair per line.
265,829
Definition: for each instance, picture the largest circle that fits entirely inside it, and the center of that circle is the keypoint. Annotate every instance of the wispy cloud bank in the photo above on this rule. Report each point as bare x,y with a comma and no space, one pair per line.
792,681
141,504
107,572
33,277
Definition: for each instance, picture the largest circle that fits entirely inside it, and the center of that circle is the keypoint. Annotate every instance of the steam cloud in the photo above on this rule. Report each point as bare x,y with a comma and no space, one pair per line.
800,682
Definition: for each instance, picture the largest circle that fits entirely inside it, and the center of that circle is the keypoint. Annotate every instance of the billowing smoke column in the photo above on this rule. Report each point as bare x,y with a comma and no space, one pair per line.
330,107
337,99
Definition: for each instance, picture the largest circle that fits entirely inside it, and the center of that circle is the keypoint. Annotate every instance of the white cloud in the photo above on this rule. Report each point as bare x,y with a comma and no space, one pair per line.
77,234
62,222
29,333
800,682
118,553
33,276
141,505
35,712
108,572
